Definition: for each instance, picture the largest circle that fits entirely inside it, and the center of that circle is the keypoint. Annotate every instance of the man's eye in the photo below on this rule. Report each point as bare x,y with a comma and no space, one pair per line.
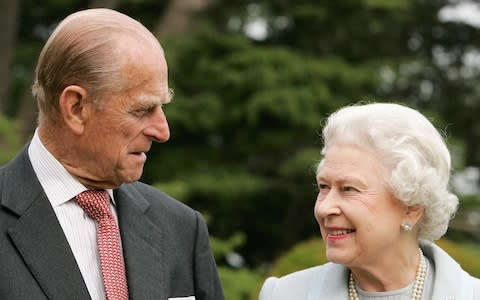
139,113
143,112
150,110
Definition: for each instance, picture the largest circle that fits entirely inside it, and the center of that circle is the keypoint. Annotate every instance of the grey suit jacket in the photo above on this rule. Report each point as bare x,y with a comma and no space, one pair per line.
165,243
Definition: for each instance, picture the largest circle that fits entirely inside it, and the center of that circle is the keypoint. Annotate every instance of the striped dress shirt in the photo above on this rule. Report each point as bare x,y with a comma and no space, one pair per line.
80,230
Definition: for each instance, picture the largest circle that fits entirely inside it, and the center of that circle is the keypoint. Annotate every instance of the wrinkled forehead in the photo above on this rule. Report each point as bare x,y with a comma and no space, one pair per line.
369,151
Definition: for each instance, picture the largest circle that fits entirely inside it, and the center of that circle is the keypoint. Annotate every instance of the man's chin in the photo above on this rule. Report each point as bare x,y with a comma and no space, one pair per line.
131,177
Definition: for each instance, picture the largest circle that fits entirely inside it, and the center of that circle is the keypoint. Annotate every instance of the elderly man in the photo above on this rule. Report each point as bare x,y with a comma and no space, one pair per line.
75,221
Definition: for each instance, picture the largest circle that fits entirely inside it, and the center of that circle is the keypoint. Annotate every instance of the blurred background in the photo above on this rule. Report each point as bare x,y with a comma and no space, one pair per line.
254,81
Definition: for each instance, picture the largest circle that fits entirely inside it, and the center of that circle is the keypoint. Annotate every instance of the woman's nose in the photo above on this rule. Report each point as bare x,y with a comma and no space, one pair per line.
326,205
158,129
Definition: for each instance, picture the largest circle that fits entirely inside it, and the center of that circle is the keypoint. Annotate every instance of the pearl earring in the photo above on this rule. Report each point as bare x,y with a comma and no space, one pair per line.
406,226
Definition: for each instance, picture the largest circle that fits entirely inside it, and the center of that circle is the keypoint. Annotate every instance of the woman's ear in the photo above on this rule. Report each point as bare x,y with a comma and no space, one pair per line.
414,213
73,108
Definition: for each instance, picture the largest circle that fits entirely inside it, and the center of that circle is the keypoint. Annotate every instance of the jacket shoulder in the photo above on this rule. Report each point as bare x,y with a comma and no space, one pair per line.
145,195
294,285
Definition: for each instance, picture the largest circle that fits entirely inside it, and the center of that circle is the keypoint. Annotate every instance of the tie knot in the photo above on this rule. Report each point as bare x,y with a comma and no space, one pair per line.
96,203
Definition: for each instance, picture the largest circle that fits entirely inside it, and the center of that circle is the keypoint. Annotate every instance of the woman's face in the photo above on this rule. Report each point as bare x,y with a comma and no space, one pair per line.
359,217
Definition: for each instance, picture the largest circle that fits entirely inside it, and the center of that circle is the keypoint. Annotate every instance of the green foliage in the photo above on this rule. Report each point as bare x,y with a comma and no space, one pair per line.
177,189
256,86
301,163
243,118
221,248
9,139
303,255
465,254
391,4
238,283
225,186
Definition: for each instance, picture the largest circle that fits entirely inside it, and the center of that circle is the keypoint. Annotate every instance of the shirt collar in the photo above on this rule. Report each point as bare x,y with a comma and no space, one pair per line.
59,185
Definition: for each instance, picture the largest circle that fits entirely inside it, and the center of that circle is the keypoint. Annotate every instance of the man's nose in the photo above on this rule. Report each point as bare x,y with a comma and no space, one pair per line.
158,129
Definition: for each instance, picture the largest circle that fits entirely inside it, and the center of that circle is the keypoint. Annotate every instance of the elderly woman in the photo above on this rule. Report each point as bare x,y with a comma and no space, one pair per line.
382,200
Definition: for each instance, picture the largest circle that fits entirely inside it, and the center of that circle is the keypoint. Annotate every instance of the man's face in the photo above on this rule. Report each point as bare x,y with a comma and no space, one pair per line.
120,133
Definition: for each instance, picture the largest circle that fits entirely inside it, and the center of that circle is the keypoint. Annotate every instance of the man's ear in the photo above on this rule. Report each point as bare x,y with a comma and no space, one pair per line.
73,107
414,213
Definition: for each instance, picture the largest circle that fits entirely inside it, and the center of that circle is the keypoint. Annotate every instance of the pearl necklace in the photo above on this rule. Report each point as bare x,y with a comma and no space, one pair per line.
417,286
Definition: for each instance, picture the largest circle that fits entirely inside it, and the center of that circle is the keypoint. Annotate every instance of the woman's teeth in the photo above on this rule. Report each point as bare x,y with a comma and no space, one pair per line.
341,232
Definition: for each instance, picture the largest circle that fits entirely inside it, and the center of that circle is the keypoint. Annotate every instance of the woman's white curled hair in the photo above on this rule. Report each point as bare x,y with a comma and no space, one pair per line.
411,148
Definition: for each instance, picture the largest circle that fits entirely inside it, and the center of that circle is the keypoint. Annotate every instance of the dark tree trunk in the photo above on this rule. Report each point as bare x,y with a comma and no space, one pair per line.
8,33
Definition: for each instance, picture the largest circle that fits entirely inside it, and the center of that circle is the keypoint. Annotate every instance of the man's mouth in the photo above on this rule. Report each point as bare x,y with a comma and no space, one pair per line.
139,155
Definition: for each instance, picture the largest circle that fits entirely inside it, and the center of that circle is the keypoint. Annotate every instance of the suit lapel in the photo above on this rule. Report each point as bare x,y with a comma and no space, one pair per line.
37,234
142,246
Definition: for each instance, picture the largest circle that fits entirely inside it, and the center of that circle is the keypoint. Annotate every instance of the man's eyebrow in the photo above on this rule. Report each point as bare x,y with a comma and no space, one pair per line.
148,100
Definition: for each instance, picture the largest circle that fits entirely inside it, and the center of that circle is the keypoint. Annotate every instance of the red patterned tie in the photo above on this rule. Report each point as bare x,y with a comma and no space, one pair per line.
96,203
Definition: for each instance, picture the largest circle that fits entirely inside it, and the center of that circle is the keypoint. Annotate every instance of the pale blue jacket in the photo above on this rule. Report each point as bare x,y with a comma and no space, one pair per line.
329,281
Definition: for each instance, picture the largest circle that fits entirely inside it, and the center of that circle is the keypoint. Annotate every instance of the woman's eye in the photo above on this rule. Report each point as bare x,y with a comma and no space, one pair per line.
350,189
322,187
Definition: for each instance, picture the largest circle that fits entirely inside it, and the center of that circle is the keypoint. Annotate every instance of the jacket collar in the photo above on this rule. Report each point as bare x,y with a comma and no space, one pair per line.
36,233
451,281
330,283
